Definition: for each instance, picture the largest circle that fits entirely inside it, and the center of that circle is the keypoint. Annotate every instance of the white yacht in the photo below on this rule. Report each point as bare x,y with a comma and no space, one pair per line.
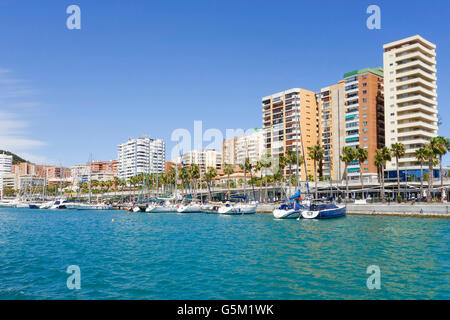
157,208
189,208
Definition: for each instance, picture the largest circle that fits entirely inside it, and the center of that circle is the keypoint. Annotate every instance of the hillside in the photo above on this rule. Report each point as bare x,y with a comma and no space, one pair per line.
16,158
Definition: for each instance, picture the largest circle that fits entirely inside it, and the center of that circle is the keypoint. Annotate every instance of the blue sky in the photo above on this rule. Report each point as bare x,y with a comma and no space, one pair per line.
146,68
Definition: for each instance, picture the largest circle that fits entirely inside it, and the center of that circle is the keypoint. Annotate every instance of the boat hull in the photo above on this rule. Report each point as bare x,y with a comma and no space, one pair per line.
189,209
286,214
159,209
340,211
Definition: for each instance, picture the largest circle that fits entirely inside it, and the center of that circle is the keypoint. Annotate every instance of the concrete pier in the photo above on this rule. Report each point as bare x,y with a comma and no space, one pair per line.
417,210
413,210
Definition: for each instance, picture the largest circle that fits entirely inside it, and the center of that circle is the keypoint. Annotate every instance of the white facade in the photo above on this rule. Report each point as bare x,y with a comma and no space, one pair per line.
248,146
5,168
410,99
204,159
79,173
141,155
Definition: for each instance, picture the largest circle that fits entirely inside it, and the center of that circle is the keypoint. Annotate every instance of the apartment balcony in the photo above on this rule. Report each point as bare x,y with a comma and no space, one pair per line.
414,141
418,98
351,91
416,115
349,99
417,89
418,55
416,64
426,84
417,133
417,107
352,83
417,124
416,46
416,73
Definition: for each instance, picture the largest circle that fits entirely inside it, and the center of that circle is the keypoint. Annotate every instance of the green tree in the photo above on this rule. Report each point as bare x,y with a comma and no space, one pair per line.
316,153
421,155
348,155
228,169
361,155
210,174
398,151
381,157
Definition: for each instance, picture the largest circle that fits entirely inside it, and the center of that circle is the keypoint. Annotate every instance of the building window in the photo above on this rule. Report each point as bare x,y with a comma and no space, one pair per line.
364,107
366,138
365,130
364,115
366,146
392,114
364,91
364,99
365,84
365,123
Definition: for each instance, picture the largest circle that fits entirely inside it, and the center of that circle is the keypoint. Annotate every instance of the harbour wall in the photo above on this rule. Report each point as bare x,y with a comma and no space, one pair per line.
413,210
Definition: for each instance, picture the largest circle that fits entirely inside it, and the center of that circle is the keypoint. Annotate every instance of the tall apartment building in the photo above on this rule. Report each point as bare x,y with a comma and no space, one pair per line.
204,159
141,155
410,96
282,113
5,168
234,151
364,117
331,109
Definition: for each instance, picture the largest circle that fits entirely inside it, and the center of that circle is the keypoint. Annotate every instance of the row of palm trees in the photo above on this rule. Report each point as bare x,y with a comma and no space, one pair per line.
191,177
432,153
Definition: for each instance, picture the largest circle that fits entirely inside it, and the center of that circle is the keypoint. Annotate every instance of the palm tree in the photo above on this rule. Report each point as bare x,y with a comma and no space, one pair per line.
398,151
210,174
442,146
194,174
361,155
316,153
228,170
382,156
267,163
258,167
248,167
379,161
348,155
432,149
291,159
421,155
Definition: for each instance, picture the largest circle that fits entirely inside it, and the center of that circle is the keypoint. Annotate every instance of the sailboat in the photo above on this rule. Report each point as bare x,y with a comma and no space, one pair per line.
324,211
89,205
292,209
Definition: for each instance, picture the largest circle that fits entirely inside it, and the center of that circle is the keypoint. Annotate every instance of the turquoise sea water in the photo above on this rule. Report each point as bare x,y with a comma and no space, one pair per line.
198,256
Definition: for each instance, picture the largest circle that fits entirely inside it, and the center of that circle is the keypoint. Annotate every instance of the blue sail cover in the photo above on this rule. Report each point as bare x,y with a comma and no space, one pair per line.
295,196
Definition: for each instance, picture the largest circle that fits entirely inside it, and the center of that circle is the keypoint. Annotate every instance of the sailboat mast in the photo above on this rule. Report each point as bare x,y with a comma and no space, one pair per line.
90,176
303,152
297,174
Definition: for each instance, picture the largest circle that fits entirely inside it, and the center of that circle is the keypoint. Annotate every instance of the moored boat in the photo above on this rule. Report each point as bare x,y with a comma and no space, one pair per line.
324,211
189,208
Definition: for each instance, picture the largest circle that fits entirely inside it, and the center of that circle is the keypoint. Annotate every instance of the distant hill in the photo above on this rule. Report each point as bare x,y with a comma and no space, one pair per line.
16,158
